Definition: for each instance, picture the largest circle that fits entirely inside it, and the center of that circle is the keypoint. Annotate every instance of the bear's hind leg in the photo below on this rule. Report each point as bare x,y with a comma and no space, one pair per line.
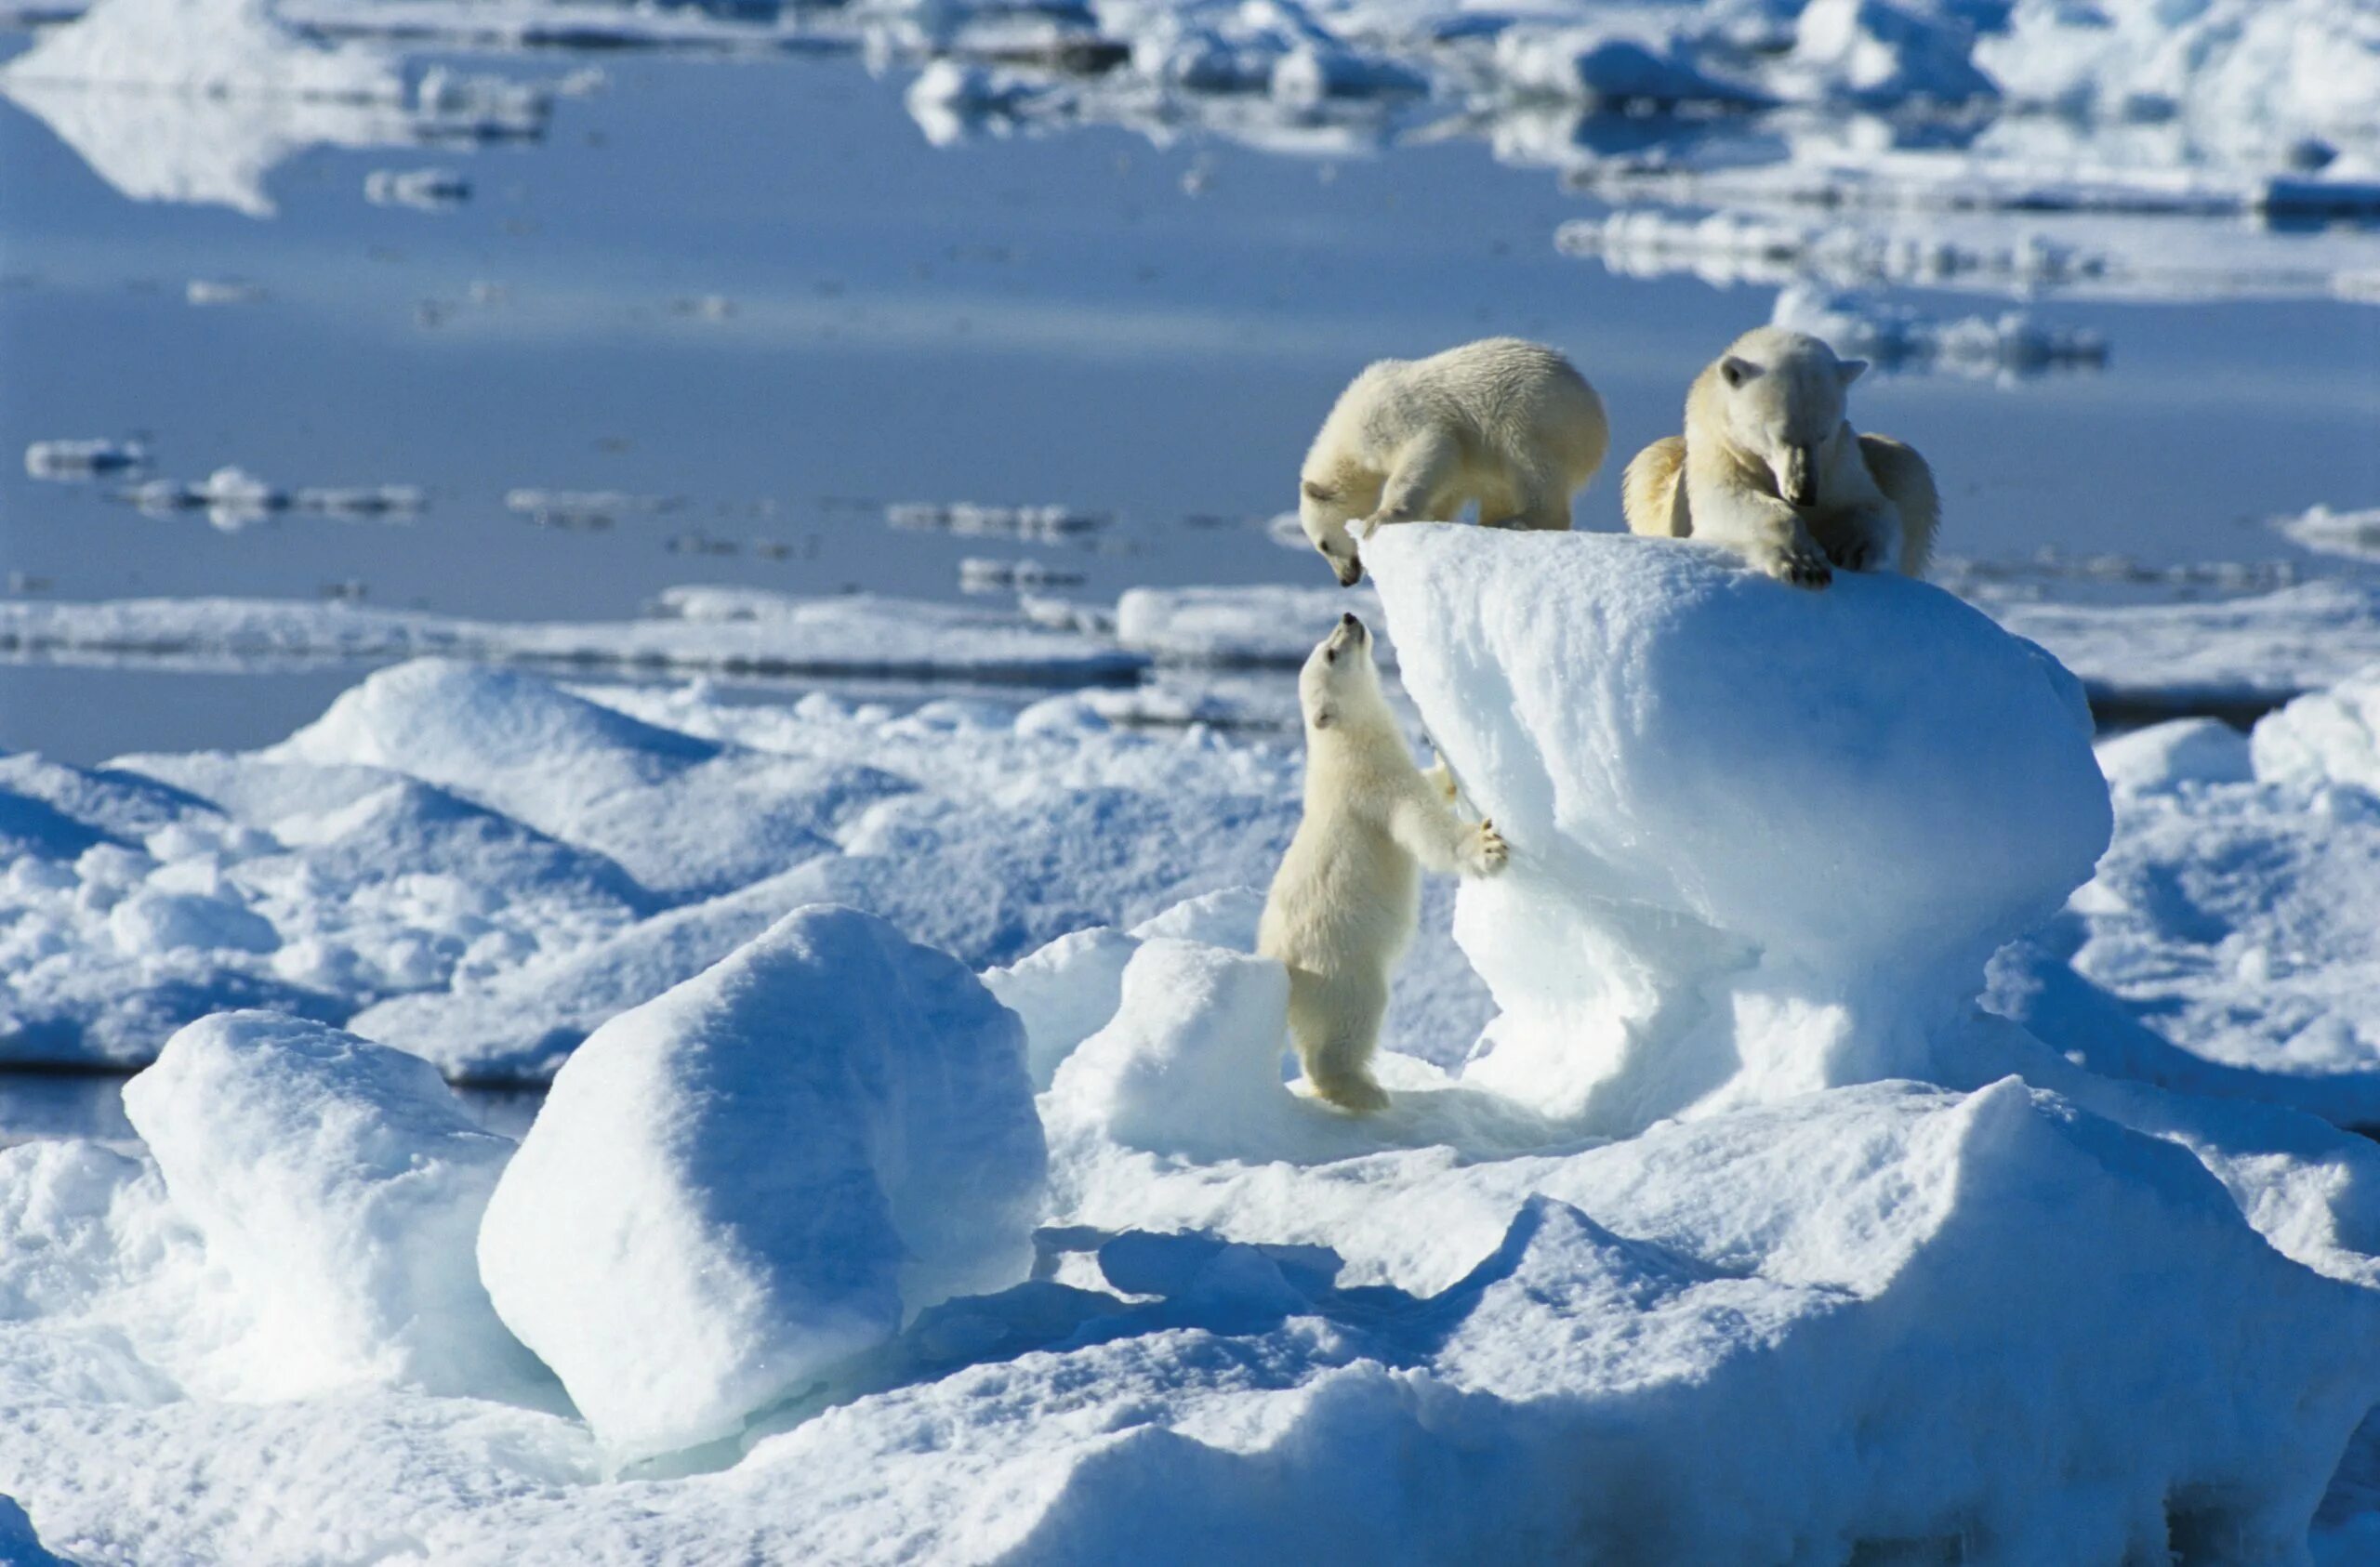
1335,1020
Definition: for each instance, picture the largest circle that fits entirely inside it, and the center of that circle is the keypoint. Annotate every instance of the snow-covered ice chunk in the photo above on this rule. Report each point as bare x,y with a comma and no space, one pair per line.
761,1173
2325,529
1063,993
428,189
1896,338
212,47
82,459
1758,847
338,1184
2326,736
1191,1063
2262,71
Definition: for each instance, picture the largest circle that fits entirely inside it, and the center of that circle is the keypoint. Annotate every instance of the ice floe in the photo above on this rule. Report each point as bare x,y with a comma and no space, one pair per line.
821,1280
234,498
2331,532
762,633
197,100
82,459
2010,345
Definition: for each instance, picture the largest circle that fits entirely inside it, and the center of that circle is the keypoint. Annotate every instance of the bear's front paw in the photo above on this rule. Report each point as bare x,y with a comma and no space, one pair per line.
1488,850
1869,551
1803,565
1354,1092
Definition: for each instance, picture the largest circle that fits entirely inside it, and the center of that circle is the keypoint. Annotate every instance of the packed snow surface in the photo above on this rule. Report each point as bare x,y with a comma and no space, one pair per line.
1685,1267
2236,919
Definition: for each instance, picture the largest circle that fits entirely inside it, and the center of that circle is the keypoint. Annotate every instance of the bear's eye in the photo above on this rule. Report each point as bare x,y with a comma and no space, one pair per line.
1330,655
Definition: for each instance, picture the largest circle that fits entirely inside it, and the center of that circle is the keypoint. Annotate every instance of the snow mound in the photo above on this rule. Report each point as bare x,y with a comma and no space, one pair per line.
2324,736
649,798
1758,847
1191,1063
338,1184
1063,993
761,1173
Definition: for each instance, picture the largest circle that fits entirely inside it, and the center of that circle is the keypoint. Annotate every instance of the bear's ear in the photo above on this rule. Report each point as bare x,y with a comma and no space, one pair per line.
1736,372
1313,492
1849,370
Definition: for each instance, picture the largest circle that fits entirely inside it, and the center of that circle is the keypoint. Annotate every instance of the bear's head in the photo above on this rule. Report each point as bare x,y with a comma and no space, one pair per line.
1781,398
1340,685
1324,511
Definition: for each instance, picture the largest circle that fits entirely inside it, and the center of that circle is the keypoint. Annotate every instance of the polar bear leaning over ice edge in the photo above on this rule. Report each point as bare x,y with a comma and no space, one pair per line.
1770,467
1509,425
1345,904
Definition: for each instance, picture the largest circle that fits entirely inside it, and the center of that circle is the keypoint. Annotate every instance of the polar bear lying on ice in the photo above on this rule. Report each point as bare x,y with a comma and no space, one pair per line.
1505,424
1770,467
1346,899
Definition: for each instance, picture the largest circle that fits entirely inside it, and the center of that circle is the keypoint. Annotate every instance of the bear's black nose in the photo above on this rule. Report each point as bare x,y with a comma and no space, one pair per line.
1351,623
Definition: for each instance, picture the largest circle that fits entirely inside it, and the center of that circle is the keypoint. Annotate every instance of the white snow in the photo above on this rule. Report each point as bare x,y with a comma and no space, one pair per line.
1733,1291
762,1173
338,1185
2226,944
1670,934
2355,534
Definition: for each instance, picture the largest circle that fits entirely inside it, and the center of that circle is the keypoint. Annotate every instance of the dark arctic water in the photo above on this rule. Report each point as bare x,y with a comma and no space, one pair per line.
751,297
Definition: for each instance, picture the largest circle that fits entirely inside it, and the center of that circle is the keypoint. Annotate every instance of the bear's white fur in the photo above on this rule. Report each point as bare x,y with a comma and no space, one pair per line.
1344,904
1770,467
1501,423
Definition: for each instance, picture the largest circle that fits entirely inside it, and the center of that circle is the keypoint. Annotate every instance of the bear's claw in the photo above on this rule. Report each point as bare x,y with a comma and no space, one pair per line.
1802,567
1490,852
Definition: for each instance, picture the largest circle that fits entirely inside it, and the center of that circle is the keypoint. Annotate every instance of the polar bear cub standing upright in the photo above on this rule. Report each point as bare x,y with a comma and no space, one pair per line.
1504,423
1348,895
1771,469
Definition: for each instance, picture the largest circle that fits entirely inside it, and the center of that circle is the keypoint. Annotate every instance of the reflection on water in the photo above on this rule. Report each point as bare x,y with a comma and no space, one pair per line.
40,1106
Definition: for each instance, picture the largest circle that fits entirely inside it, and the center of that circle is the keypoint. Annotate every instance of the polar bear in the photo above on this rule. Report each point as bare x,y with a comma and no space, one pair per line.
1504,423
1769,467
1346,901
